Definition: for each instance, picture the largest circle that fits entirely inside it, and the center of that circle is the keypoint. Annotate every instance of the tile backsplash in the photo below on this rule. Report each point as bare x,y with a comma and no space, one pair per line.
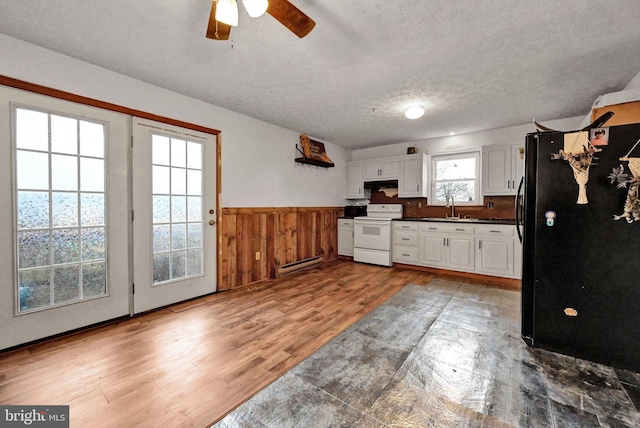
498,207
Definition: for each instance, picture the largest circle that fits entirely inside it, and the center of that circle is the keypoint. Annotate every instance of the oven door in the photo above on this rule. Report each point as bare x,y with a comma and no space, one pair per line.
372,236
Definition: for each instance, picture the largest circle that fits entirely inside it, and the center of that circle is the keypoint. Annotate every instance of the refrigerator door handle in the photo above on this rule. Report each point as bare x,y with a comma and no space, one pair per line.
518,196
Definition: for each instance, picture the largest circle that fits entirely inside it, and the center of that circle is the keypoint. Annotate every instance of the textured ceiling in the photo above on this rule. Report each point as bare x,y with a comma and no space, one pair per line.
474,64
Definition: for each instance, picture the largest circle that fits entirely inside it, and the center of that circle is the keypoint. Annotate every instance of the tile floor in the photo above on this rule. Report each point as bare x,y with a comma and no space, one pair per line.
443,355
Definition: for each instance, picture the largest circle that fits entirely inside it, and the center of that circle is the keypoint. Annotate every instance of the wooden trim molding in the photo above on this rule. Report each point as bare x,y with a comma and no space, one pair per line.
56,93
274,210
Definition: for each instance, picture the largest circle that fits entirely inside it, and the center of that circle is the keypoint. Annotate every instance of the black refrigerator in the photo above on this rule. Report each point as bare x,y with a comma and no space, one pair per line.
581,261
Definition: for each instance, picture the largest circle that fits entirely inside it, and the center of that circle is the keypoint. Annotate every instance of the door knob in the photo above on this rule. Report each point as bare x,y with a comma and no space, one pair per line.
212,222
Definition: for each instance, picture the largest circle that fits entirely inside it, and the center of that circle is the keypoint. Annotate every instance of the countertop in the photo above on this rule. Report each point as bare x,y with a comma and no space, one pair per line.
462,220
448,220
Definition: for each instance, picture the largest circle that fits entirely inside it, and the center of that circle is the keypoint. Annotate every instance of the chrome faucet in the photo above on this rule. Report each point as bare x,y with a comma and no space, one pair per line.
453,207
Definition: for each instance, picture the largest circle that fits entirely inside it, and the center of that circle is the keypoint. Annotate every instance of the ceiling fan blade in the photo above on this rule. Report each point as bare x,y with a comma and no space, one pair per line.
217,30
291,17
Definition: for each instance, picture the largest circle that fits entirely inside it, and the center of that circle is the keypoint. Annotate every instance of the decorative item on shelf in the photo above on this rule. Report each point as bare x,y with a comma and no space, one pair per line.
313,153
412,150
521,151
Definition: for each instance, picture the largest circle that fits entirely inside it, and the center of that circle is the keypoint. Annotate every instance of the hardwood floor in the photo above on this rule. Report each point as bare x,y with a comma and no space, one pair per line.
189,364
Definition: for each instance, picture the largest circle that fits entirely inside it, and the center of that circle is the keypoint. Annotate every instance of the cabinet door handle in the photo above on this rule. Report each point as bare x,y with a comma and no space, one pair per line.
460,230
417,187
406,255
480,245
358,190
444,242
405,227
405,239
494,231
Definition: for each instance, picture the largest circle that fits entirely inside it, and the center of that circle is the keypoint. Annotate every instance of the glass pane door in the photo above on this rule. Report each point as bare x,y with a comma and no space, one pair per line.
64,223
174,239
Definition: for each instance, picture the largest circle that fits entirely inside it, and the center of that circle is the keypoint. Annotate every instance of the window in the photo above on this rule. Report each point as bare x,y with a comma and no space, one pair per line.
60,209
455,175
177,208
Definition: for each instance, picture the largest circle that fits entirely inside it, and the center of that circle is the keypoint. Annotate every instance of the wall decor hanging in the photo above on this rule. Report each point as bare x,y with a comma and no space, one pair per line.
578,151
313,153
632,203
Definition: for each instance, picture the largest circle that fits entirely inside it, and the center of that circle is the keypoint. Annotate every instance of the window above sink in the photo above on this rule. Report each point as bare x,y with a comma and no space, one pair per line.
455,176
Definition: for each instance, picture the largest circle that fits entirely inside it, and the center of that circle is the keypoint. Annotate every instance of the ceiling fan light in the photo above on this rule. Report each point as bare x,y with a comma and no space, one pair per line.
414,112
227,12
255,8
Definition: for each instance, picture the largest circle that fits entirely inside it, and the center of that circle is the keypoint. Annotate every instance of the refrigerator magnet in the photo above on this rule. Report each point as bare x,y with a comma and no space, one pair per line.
599,137
551,218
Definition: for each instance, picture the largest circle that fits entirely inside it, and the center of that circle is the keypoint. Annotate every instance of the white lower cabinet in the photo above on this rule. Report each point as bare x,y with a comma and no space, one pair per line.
405,248
482,248
432,249
447,246
345,237
495,250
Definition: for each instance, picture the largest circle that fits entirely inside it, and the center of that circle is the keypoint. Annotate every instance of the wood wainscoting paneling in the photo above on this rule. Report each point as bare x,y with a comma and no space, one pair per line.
279,235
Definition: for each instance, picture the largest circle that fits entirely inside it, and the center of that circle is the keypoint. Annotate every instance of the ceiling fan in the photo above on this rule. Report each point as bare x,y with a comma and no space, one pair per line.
224,15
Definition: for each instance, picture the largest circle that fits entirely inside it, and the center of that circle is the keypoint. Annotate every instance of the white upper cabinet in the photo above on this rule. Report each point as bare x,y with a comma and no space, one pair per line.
502,167
409,170
413,176
380,169
355,188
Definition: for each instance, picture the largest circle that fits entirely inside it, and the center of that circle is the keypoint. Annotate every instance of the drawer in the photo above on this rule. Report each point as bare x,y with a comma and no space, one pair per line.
403,254
406,225
405,237
496,230
345,222
446,228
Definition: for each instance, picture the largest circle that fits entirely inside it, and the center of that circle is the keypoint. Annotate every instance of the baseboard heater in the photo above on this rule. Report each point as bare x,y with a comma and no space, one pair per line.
297,266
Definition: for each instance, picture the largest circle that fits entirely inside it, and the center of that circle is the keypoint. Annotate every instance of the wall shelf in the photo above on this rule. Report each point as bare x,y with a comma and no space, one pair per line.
310,161
315,162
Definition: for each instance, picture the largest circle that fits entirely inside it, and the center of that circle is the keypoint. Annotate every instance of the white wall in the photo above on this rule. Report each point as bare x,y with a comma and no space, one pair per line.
258,168
475,140
634,83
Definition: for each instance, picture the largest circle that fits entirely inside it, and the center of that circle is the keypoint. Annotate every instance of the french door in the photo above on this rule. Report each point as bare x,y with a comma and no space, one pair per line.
64,225
92,229
174,201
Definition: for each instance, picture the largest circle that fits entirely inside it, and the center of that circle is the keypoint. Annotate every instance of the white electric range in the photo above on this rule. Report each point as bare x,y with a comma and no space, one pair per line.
372,234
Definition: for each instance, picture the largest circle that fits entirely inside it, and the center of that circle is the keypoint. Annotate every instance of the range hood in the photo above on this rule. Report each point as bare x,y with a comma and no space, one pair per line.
377,185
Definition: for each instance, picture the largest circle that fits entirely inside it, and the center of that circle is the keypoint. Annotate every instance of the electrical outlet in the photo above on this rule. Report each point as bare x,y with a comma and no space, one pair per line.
257,255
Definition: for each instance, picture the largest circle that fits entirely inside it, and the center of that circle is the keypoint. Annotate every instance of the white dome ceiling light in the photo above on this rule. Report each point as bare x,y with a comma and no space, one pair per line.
414,112
227,12
255,8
